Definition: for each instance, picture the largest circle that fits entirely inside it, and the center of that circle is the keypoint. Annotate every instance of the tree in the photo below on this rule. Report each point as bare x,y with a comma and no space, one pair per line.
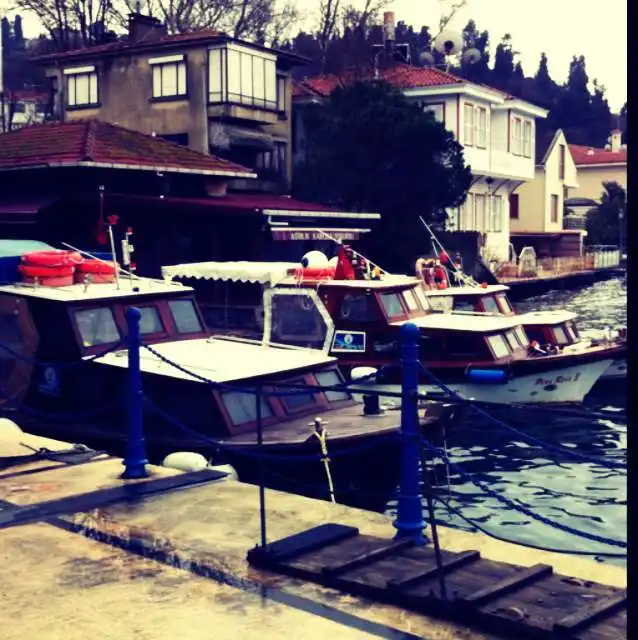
473,38
369,149
599,118
503,72
18,36
572,110
607,223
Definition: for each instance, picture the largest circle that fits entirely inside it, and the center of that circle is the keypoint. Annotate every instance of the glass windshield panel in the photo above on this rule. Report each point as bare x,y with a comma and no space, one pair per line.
410,301
423,299
242,407
392,305
442,303
297,398
463,304
512,341
522,336
489,305
96,326
570,332
560,335
150,321
185,316
499,346
329,379
504,303
358,307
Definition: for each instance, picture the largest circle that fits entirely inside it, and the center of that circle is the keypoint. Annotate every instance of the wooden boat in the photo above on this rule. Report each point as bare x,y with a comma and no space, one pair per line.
480,356
49,326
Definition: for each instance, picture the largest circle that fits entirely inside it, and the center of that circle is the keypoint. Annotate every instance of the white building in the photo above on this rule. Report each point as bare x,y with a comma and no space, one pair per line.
497,132
22,107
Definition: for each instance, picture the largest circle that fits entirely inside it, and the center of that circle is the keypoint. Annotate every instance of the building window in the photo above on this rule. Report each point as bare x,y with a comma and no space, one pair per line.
514,206
468,124
480,127
437,110
479,212
521,137
241,76
281,94
169,76
274,161
467,212
497,214
527,138
554,208
81,87
561,162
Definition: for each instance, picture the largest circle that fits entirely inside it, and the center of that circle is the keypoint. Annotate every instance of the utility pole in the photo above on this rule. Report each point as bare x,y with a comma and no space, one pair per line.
3,121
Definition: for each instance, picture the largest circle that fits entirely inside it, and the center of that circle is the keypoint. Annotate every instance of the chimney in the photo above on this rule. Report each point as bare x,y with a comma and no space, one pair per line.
616,140
141,27
389,30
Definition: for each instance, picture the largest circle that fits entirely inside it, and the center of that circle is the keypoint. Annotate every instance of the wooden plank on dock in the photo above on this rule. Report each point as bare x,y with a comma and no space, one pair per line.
367,557
288,548
518,602
447,565
509,584
590,613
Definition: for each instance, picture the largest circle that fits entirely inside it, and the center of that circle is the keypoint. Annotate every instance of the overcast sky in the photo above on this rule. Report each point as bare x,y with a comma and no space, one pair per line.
561,28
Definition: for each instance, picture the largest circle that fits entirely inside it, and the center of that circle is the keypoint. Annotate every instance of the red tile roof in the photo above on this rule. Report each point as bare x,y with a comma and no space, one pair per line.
403,76
128,45
590,155
94,141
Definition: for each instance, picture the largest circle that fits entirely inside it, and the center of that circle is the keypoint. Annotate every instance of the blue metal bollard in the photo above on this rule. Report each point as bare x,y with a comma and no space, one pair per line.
135,461
409,521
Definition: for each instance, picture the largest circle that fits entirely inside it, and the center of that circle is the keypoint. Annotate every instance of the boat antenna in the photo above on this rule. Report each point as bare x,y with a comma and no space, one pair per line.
356,253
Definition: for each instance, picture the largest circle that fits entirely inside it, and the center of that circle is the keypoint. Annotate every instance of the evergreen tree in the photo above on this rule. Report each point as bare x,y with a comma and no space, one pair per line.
473,38
503,72
599,119
606,223
18,37
572,112
7,39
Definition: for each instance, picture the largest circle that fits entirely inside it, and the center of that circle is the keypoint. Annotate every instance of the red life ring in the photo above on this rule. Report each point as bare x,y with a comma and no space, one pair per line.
41,271
96,266
314,273
55,258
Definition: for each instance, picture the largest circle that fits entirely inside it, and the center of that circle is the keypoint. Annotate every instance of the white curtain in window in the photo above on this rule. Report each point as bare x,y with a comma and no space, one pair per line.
270,71
481,127
497,214
468,124
214,75
234,75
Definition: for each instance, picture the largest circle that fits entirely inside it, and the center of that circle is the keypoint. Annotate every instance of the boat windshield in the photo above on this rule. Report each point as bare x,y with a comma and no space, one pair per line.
392,305
504,304
96,326
489,305
185,316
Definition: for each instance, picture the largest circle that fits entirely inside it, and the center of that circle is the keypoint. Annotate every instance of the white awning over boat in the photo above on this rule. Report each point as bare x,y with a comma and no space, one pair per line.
262,272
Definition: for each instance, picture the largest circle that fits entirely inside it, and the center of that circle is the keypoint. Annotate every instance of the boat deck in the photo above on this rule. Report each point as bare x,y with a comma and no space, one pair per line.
165,557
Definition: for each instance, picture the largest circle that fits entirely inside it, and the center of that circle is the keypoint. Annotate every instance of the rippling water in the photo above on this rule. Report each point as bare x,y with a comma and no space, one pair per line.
583,495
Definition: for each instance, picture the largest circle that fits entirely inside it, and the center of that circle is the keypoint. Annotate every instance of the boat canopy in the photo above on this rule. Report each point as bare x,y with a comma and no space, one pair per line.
261,272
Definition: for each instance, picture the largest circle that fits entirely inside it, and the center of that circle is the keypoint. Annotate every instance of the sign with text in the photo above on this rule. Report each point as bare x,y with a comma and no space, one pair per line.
309,234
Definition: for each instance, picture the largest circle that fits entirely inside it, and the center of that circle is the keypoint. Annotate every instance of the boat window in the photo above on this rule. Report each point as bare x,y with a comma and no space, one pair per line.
499,346
96,326
489,305
185,316
150,321
328,379
297,398
410,301
242,407
571,331
504,303
522,336
511,339
560,335
442,303
392,305
463,304
358,307
423,298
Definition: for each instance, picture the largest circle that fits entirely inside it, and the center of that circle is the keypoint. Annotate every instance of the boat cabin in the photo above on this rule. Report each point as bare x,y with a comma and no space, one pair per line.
491,299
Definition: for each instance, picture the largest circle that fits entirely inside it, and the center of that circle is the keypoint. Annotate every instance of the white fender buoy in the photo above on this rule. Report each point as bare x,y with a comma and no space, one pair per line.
314,259
333,261
226,468
9,430
185,461
359,373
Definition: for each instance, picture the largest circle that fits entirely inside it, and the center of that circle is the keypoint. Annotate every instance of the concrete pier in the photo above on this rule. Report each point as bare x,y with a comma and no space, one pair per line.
58,583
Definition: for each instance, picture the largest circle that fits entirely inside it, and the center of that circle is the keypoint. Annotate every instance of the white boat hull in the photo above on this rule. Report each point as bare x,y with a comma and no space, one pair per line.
569,385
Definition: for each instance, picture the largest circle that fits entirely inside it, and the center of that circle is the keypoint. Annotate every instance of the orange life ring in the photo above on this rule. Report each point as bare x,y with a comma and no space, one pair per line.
42,271
55,258
96,266
314,273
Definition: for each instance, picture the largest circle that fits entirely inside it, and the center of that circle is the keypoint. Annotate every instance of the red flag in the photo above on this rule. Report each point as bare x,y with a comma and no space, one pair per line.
344,270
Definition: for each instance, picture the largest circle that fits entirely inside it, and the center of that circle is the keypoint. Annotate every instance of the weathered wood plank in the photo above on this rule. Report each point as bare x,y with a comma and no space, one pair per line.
304,542
509,584
447,566
366,558
590,613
